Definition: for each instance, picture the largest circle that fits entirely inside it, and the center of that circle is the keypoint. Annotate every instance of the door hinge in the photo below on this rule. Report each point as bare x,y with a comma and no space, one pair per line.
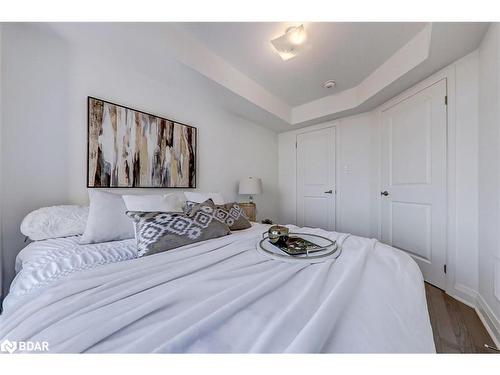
446,100
444,268
295,144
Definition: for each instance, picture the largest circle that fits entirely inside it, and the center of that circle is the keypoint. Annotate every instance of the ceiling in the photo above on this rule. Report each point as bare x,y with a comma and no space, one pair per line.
233,64
343,51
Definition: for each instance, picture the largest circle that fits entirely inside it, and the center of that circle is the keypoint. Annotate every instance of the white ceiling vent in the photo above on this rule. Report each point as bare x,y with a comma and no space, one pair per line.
329,84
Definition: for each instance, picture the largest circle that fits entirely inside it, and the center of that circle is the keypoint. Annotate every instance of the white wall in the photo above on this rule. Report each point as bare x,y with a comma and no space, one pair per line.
287,178
489,184
466,86
44,97
34,147
355,153
357,175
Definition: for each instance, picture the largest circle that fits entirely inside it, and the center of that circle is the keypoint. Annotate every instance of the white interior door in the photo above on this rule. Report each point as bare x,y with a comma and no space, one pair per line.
316,179
413,210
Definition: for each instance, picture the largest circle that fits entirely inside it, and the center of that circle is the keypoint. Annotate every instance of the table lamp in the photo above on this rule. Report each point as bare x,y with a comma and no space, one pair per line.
250,186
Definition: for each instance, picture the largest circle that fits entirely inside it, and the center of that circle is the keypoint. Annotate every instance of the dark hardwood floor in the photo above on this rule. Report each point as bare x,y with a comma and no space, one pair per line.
456,326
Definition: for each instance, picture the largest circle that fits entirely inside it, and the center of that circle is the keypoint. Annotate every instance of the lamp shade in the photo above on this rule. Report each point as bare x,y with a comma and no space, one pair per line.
250,185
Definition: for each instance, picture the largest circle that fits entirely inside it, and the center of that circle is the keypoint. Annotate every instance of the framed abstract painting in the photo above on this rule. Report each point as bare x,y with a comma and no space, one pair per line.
128,148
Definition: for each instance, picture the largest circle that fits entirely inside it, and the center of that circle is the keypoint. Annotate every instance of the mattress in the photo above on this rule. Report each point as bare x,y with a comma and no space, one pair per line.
217,296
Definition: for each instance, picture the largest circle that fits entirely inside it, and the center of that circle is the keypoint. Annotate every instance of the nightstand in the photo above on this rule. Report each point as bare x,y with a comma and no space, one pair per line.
249,209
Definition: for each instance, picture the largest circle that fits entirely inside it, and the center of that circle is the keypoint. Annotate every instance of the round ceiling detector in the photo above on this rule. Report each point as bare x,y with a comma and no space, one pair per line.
329,84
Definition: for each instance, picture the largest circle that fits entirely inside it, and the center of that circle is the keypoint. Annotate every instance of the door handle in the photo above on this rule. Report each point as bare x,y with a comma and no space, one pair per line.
385,193
329,192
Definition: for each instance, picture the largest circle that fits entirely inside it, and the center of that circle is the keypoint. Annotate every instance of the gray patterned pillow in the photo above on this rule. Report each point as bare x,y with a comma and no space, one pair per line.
160,231
189,206
231,213
237,218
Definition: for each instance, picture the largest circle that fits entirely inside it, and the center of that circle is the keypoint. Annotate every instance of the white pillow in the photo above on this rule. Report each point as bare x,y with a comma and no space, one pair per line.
194,196
149,203
107,220
55,222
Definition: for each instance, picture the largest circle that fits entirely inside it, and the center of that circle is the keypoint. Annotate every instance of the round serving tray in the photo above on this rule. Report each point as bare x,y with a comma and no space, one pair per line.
330,249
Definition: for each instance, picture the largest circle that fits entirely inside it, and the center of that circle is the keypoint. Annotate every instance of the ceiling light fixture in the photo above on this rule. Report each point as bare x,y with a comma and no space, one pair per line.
288,44
329,84
296,34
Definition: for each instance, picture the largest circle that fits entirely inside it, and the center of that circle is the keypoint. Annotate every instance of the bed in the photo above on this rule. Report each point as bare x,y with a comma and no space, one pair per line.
220,295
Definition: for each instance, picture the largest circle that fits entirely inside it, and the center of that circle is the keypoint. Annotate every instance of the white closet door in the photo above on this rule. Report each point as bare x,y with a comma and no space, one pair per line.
316,179
414,179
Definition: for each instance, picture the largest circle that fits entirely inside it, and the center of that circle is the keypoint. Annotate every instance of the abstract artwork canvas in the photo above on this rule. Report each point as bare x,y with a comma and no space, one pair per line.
130,148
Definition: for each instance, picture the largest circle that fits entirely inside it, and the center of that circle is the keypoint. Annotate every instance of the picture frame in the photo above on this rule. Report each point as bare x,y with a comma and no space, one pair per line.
130,148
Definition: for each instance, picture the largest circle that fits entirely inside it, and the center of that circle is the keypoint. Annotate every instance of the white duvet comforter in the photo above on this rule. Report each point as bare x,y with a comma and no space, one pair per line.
220,295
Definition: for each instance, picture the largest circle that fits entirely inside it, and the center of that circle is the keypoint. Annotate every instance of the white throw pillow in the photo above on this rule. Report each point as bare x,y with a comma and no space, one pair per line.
148,203
107,219
55,222
194,196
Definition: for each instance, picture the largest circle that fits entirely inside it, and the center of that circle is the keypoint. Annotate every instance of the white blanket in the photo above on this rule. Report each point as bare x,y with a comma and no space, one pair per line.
223,295
42,262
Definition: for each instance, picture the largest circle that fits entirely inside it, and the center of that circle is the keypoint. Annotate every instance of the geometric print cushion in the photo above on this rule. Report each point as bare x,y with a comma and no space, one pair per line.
189,206
231,213
237,218
161,231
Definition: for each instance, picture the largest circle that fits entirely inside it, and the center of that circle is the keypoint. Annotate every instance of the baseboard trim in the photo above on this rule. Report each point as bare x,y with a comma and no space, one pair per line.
473,299
464,294
490,321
